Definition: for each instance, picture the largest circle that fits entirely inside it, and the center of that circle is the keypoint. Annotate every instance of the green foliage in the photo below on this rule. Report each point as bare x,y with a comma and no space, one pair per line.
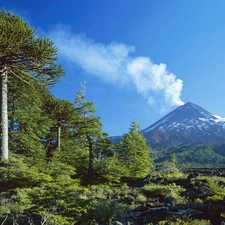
50,194
20,174
185,221
62,114
167,191
168,168
87,128
56,219
209,155
25,57
35,189
134,154
87,125
73,154
22,50
173,158
217,187
109,170
140,198
99,206
104,211
27,122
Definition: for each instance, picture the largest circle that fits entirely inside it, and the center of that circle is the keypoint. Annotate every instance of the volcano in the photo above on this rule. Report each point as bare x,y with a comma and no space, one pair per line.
187,125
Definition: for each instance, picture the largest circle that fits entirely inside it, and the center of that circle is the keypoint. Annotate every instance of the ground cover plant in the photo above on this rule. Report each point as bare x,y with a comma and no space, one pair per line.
60,168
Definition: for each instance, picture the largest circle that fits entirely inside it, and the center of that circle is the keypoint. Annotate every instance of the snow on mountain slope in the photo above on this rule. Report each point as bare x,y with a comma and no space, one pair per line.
187,116
188,124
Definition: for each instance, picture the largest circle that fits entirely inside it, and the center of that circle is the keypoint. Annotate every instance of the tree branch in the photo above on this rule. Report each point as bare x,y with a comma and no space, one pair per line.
19,77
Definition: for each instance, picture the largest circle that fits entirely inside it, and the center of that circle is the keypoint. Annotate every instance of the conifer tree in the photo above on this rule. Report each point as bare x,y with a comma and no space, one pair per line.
23,56
133,153
61,112
28,123
88,127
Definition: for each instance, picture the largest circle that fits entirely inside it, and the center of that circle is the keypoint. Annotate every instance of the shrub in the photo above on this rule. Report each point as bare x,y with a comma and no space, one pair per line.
189,222
167,191
216,185
104,211
141,198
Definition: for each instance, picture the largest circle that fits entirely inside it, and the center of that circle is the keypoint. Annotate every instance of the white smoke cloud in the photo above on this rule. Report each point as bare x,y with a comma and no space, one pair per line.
113,63
149,77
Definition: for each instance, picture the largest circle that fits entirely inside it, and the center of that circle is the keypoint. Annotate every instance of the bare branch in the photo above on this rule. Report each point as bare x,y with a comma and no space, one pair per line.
19,77
6,216
26,74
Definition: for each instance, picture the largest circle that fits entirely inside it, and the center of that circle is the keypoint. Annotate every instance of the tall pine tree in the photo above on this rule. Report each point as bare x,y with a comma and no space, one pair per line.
61,112
133,153
23,56
88,127
28,123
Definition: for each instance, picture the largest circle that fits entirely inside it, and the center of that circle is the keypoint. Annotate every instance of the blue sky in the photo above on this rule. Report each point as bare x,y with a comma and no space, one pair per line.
140,59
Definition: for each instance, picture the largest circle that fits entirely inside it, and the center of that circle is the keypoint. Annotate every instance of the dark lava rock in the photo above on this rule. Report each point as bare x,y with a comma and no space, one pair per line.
192,175
143,182
193,193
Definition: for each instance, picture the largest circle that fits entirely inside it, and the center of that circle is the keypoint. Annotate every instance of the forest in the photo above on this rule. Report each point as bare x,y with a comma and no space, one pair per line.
58,167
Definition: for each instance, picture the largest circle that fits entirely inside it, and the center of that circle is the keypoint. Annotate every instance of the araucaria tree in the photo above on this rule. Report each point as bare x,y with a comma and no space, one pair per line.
23,56
61,112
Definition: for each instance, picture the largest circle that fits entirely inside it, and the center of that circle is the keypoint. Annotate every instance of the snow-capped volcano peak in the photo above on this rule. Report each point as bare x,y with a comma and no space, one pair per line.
187,115
188,124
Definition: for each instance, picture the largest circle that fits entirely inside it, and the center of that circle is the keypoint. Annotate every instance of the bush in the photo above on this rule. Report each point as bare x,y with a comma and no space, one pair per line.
103,211
189,222
216,185
167,191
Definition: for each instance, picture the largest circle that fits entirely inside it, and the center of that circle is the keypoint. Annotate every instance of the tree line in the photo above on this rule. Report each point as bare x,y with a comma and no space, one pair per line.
37,125
52,149
57,165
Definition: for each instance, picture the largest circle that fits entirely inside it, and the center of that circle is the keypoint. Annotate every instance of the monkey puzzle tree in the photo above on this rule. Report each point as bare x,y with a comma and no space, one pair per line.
60,111
23,56
27,123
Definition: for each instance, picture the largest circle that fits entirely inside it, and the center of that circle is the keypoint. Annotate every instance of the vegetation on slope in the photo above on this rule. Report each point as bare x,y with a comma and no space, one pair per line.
62,168
210,155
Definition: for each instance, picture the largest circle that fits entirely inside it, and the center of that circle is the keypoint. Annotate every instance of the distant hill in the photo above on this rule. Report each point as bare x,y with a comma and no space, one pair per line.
206,155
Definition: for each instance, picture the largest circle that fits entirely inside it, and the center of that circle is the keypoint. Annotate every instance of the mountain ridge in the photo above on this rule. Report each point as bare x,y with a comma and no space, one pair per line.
185,112
186,125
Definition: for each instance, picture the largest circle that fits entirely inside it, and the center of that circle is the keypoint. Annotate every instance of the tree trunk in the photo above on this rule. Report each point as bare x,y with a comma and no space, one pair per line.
4,116
91,159
58,136
12,119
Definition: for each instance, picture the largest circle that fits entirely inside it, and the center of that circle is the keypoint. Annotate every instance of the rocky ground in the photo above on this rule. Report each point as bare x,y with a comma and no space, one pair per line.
196,189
